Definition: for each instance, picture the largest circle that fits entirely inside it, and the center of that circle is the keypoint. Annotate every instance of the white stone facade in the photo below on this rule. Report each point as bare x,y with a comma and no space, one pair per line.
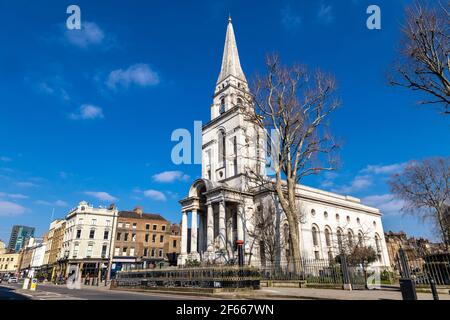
89,232
219,208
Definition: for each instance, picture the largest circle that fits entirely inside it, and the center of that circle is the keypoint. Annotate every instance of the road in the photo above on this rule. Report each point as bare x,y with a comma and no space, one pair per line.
52,292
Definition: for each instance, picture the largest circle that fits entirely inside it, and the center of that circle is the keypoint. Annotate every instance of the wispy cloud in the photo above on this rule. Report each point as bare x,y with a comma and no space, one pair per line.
365,178
16,196
5,159
155,195
11,209
358,183
52,86
26,184
325,14
138,74
170,176
57,203
100,195
289,19
89,34
87,112
384,169
387,204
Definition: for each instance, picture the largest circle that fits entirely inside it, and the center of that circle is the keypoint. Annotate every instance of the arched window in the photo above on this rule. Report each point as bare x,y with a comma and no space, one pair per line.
377,243
360,238
239,101
313,212
222,106
328,237
325,214
339,238
350,238
315,235
222,148
378,246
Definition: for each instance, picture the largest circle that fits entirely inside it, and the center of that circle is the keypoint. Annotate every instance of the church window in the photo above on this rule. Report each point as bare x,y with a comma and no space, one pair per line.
313,212
235,155
316,255
325,214
239,101
222,105
315,235
377,243
328,237
339,237
360,238
222,150
350,238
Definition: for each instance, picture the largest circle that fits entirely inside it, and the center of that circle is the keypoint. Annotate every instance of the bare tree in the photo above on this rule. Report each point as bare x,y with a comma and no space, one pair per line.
424,63
266,233
295,104
425,188
357,249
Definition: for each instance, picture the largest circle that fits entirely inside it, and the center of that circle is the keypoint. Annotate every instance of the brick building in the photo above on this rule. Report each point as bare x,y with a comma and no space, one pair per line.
143,240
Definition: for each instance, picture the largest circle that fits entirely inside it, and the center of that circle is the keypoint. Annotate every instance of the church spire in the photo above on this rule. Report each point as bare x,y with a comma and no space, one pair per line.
231,65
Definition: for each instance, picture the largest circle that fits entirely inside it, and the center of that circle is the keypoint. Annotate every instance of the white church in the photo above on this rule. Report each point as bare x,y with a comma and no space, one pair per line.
219,210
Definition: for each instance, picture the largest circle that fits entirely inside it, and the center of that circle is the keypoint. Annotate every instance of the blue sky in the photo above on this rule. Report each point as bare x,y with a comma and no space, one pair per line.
89,114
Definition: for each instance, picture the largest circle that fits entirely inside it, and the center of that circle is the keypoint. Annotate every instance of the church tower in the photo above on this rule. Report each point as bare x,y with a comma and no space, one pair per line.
230,142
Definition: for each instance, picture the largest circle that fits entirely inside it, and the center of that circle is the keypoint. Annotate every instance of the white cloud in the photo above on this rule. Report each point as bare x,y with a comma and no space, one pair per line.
100,195
88,112
170,176
5,159
138,74
290,20
155,195
89,34
325,14
385,169
10,209
53,86
387,204
26,184
17,196
359,183
57,203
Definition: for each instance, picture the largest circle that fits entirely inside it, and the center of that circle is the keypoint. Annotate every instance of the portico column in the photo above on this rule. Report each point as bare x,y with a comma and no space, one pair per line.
194,231
201,232
184,233
239,219
210,228
222,228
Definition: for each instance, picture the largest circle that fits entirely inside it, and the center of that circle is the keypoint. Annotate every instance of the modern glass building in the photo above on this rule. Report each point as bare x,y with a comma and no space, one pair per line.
18,236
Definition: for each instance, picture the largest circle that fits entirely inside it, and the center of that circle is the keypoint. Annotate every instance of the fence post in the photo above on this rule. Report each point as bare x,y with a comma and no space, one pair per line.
407,285
345,273
433,288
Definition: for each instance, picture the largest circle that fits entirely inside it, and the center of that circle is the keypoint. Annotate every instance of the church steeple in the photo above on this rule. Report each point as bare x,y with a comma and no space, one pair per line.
231,65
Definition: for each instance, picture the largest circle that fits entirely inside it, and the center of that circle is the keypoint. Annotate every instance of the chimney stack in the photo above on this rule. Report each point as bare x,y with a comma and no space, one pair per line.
138,210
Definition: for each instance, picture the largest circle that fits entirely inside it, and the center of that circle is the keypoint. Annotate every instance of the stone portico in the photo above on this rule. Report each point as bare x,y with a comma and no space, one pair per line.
217,221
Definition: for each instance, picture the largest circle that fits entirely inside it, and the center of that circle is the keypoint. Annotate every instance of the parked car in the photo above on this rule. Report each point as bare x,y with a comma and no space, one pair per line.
12,280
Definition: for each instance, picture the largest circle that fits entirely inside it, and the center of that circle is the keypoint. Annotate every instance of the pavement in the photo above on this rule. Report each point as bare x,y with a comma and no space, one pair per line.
330,294
61,292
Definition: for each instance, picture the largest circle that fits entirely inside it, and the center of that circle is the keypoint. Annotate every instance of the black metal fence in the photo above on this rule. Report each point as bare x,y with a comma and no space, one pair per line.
198,277
326,272
424,269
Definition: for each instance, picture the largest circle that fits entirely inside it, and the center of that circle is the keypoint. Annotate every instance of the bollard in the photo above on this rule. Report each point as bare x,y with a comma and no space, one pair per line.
433,289
408,289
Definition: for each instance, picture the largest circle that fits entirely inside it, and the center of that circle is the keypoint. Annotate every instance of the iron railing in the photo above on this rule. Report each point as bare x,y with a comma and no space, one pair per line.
426,268
199,277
